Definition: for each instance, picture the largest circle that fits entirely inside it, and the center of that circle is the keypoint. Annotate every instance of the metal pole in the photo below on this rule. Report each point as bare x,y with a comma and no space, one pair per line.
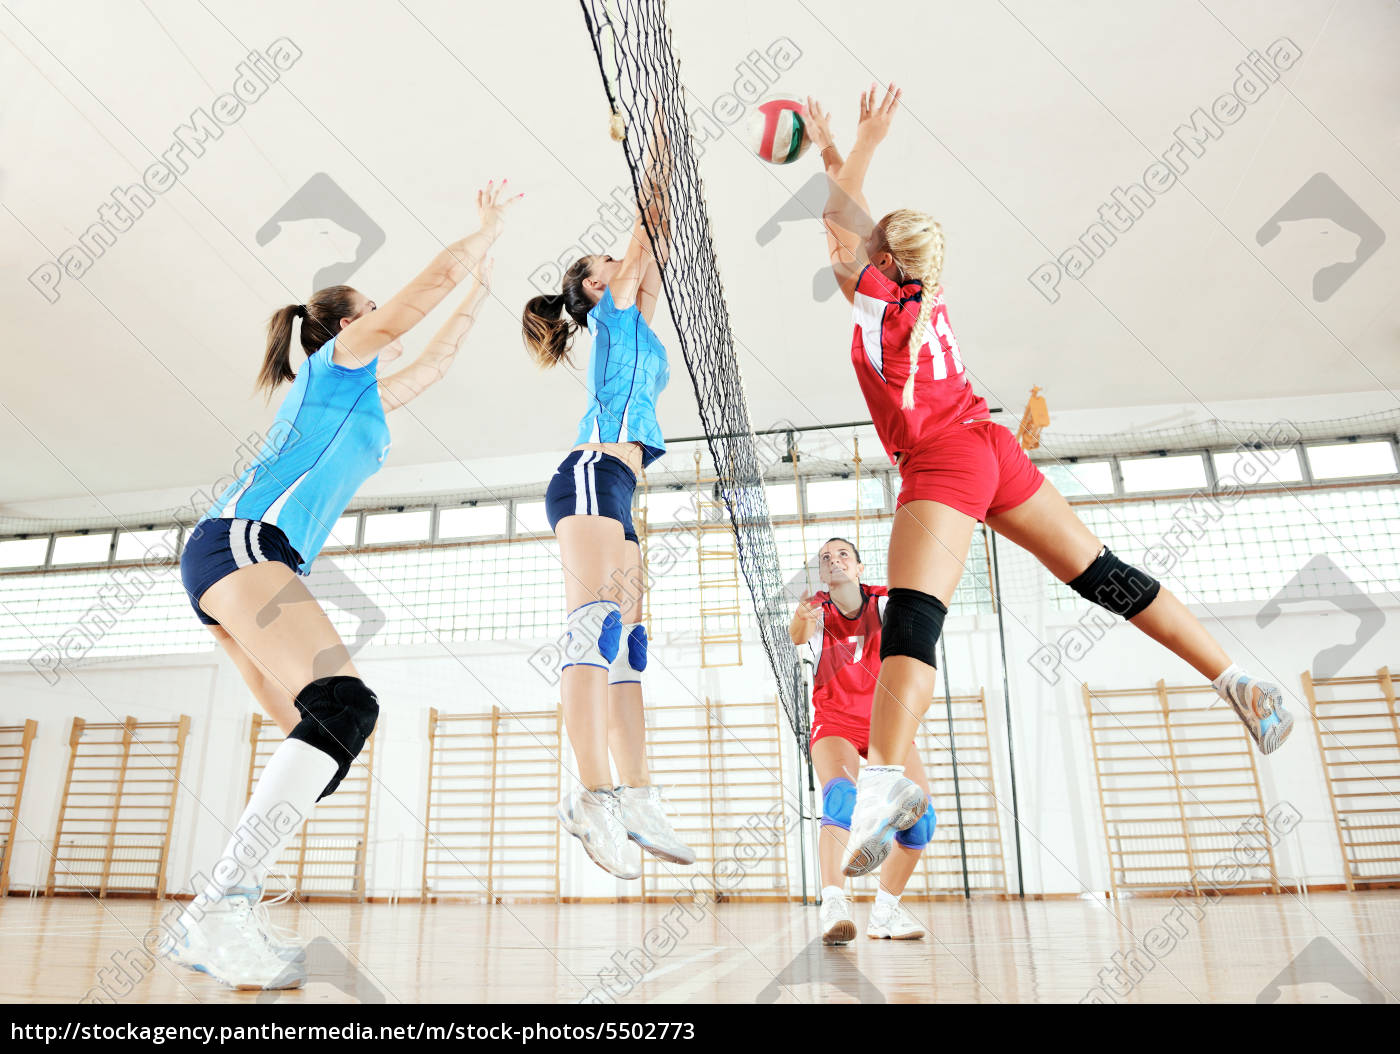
1006,695
953,746
803,804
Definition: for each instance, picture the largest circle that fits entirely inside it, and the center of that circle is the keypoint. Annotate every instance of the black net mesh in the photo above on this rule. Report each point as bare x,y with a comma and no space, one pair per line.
633,45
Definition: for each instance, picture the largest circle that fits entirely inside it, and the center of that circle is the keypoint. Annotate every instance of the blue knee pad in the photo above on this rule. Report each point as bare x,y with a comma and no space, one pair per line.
838,802
631,658
921,833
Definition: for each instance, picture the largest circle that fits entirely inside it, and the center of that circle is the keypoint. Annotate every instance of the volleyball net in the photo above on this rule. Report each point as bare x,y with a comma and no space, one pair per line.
632,42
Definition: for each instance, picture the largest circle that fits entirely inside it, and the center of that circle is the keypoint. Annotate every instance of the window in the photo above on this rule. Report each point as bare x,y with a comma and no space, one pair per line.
1343,460
23,552
839,495
671,506
387,528
1084,477
147,545
530,518
782,499
1252,468
1179,472
82,548
343,533
480,521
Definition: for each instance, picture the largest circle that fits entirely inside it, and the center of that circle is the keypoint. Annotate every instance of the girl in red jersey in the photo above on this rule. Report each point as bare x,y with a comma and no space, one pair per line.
843,627
957,468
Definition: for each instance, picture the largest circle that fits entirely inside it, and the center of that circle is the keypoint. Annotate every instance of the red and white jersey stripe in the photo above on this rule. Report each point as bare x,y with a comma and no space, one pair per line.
885,313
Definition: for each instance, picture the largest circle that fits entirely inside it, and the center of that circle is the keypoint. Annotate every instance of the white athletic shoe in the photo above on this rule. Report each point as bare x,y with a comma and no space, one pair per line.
286,944
644,816
886,802
837,925
595,819
893,923
1259,704
227,942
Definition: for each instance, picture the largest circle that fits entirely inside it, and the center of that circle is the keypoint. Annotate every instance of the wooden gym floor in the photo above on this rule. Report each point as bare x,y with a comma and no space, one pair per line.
1328,947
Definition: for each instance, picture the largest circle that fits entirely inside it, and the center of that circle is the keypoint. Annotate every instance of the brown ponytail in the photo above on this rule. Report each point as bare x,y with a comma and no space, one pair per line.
320,321
547,333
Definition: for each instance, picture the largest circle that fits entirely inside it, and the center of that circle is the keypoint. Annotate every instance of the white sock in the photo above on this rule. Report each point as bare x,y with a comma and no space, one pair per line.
832,891
885,900
295,776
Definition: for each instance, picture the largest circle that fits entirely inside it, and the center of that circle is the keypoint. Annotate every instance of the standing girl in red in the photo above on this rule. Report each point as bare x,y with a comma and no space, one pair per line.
957,468
842,625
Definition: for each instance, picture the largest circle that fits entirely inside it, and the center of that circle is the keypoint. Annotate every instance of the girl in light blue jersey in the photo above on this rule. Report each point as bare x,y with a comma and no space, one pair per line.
241,564
589,505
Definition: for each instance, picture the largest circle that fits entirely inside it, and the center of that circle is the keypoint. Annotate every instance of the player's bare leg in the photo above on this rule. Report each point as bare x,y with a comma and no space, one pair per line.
928,549
1049,529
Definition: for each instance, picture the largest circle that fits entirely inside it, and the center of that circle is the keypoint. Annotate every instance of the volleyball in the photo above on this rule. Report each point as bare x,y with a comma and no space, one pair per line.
778,131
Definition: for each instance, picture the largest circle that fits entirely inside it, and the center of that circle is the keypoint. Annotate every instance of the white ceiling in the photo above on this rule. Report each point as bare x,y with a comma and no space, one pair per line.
1020,121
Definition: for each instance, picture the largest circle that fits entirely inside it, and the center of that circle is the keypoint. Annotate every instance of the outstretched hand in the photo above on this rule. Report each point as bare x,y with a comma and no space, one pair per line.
819,125
877,113
492,203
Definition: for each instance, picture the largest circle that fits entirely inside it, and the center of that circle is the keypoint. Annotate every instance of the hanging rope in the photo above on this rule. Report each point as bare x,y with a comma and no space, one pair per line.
855,442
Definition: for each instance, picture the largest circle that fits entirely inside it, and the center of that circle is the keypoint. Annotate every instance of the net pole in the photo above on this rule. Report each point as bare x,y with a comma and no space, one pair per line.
953,748
1006,696
804,743
802,804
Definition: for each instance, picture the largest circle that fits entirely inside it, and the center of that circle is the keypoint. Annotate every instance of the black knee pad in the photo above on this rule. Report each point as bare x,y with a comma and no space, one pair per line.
913,623
337,716
1115,586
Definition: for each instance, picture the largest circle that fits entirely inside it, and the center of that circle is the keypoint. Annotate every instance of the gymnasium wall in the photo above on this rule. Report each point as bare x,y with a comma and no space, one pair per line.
1062,840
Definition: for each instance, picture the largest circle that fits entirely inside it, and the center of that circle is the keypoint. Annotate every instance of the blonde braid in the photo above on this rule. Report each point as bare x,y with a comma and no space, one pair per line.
915,240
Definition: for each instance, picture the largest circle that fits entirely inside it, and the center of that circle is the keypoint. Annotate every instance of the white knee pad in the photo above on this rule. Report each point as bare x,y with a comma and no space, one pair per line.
631,658
594,635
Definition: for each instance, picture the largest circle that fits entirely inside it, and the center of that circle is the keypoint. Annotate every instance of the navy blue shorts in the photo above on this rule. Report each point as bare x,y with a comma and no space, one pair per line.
216,549
591,483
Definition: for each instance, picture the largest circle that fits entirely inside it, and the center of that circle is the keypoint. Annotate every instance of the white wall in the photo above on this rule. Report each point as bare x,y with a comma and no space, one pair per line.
1062,841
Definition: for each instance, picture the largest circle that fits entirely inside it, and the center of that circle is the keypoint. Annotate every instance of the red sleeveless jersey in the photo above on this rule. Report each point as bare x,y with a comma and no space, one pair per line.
884,314
848,659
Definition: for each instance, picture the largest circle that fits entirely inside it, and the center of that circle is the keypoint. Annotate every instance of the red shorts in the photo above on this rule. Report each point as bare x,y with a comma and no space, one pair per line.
846,726
976,468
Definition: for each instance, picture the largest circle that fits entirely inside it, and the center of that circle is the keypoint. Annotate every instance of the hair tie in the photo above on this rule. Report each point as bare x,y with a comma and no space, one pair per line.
301,311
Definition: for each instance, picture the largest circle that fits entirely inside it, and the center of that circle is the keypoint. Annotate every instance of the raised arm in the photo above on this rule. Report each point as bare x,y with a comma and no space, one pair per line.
847,214
638,279
363,339
437,358
805,621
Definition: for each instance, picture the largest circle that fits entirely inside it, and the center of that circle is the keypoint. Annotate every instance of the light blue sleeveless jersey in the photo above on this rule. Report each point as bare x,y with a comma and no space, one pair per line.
627,371
329,437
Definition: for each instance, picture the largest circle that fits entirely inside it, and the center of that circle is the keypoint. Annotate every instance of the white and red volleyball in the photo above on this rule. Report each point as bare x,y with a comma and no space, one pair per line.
778,130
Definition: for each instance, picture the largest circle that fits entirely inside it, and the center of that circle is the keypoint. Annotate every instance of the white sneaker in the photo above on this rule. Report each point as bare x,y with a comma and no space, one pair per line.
595,819
886,802
1259,704
644,816
286,944
226,941
837,925
893,922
